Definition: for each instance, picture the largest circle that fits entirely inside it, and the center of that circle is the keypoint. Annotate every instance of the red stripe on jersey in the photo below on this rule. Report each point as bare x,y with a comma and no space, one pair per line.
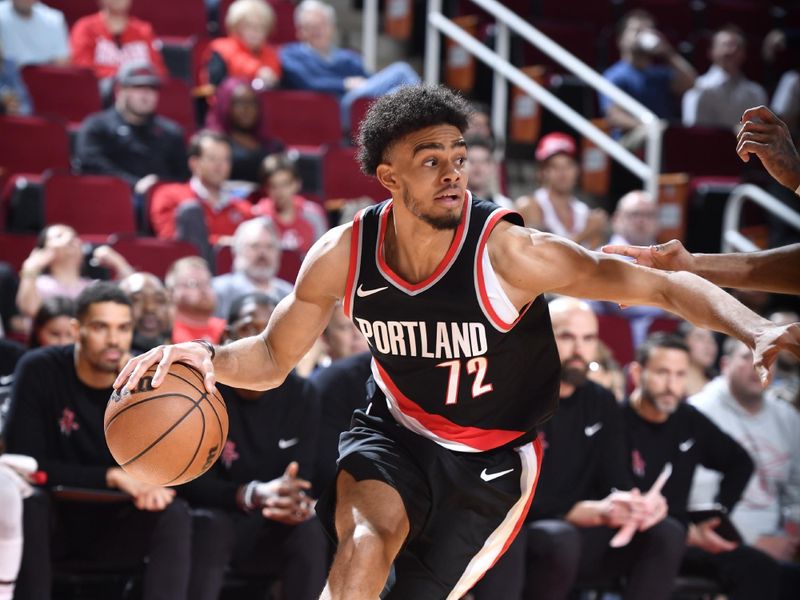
474,437
537,446
491,314
446,262
355,243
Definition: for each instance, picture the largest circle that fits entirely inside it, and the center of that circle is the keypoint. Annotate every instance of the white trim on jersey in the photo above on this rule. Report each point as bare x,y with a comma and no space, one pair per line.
496,542
410,422
360,219
498,298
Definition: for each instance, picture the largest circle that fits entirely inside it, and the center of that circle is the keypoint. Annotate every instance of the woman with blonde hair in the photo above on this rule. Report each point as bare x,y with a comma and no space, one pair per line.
245,52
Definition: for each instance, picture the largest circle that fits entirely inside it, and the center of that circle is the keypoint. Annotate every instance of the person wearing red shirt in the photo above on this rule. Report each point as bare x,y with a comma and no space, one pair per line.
105,40
245,53
300,222
200,211
188,282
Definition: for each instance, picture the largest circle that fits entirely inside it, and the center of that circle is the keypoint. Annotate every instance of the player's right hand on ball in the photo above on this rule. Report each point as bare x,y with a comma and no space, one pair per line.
191,353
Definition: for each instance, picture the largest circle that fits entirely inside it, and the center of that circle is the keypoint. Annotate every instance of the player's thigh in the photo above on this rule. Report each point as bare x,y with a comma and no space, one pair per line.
372,506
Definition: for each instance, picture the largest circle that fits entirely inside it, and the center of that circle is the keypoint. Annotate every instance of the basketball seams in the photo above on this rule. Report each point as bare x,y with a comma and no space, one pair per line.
196,450
138,402
203,396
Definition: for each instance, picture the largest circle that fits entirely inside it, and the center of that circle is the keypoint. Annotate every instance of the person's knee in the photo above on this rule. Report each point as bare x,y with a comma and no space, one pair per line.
555,543
668,538
213,535
176,519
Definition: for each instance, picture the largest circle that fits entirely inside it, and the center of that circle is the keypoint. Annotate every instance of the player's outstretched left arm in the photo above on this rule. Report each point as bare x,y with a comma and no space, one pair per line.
531,263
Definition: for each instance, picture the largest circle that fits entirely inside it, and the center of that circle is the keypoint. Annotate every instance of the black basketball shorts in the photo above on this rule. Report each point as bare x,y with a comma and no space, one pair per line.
464,509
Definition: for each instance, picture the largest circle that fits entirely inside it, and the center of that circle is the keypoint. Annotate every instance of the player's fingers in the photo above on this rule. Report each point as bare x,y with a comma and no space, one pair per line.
746,148
167,358
630,251
129,367
761,138
762,113
210,381
756,127
140,367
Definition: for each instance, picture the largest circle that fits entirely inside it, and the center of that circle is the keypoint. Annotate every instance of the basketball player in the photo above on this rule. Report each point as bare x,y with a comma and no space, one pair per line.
437,474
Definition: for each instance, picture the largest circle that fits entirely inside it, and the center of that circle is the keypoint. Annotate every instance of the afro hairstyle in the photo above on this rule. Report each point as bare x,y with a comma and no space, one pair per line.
405,111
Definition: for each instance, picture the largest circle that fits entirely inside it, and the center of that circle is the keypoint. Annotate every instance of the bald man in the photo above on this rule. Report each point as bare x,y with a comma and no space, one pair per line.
152,311
635,221
578,508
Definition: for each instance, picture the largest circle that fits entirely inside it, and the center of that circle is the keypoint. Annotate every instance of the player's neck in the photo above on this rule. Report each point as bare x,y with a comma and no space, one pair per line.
413,248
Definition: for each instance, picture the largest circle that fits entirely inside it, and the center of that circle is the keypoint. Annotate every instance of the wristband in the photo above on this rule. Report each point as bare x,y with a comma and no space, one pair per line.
208,346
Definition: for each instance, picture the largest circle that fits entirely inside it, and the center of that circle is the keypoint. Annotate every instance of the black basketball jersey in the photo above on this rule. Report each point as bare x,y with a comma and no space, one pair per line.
454,365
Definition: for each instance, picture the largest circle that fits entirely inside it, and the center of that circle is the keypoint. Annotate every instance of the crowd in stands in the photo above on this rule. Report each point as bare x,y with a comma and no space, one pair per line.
640,390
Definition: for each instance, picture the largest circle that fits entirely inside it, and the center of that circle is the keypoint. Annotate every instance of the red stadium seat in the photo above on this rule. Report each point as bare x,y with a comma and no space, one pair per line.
69,93
151,255
32,145
91,204
301,118
342,177
615,331
175,102
290,265
577,38
74,9
358,110
665,324
15,248
283,32
177,18
223,259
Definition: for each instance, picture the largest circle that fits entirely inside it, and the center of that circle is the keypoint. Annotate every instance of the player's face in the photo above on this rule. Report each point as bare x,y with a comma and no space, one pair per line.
56,332
213,166
702,347
105,335
252,320
151,307
560,173
663,379
427,170
342,337
742,377
576,339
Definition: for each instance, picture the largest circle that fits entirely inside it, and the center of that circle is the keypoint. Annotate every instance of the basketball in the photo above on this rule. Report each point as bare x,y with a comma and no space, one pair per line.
170,434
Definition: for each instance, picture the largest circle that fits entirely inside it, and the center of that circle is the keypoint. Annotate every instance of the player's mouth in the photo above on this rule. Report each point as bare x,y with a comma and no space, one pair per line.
451,196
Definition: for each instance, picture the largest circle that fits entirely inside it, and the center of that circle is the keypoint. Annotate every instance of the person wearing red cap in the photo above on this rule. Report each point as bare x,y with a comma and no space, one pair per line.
554,207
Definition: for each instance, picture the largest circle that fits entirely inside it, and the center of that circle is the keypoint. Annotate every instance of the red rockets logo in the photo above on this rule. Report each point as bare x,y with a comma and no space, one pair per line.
637,464
67,422
229,454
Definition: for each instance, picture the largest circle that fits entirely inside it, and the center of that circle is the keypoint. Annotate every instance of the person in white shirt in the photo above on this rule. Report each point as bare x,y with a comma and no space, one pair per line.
554,207
769,512
33,33
721,95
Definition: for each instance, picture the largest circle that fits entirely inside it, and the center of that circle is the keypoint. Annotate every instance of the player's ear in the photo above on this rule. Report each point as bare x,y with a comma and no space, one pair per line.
386,176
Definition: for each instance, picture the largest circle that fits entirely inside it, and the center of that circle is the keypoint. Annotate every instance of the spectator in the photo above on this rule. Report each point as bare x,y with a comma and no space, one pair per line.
605,371
152,311
236,113
721,95
14,98
315,63
52,324
202,210
245,53
340,339
635,218
480,121
483,171
189,285
256,259
703,351
130,140
110,38
577,509
657,86
300,222
54,268
661,428
770,432
554,207
59,397
255,510
32,33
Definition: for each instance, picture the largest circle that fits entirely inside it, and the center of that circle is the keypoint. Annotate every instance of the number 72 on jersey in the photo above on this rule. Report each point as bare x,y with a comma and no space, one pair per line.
475,366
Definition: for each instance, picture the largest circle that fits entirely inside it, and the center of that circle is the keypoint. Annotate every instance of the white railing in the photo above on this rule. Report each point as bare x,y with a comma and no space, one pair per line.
505,72
732,240
369,35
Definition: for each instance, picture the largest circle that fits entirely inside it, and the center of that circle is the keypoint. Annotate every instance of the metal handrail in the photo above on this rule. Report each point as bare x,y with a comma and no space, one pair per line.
732,240
504,72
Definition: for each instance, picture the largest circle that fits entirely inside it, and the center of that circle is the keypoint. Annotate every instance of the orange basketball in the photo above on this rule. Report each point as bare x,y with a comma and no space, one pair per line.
170,434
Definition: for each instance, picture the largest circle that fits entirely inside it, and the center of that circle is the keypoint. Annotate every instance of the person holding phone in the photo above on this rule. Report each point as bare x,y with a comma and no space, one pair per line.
661,428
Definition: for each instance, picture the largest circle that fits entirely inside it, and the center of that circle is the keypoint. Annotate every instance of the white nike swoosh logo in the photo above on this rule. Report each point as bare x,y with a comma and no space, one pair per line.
592,429
488,477
284,444
362,293
686,446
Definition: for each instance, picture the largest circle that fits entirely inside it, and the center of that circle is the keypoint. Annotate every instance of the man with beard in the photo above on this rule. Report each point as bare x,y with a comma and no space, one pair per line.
59,397
189,285
661,428
579,504
129,140
152,312
436,476
256,259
